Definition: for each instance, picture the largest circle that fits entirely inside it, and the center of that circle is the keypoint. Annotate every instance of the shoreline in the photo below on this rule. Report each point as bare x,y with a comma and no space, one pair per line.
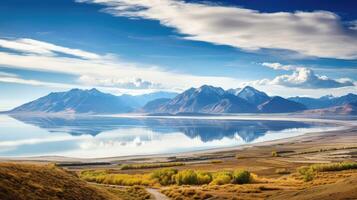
344,126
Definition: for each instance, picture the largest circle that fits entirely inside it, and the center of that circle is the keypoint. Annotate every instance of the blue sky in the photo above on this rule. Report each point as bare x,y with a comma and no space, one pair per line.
306,48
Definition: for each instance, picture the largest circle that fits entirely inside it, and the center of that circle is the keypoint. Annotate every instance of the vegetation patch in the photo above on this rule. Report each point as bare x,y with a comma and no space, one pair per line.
274,154
216,161
169,176
131,193
309,172
117,179
282,171
164,176
180,193
151,165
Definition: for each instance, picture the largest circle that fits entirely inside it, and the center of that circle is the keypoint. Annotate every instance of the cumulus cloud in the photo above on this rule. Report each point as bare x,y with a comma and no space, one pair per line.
317,33
137,83
303,77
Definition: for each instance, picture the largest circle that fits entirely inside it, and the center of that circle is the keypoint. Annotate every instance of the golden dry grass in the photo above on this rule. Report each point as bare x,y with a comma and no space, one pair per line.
27,182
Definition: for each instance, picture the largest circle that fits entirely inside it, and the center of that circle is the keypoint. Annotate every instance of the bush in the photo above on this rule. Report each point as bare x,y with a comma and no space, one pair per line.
334,166
168,176
203,178
274,154
116,179
164,176
240,177
186,177
216,161
307,173
221,178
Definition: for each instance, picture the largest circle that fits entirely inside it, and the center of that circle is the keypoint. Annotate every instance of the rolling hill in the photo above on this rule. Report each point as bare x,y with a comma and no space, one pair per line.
32,182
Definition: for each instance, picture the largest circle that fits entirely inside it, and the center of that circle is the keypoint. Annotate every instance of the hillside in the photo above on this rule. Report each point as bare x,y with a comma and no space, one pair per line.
280,105
325,101
30,182
346,109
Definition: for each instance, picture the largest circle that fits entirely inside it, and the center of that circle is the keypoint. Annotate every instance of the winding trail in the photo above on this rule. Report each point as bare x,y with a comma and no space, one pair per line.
156,194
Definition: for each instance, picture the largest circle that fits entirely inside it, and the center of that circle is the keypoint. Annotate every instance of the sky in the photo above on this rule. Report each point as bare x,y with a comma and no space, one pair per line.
286,48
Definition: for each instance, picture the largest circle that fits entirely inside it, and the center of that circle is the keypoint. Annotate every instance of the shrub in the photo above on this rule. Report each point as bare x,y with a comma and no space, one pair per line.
203,178
164,176
307,173
116,179
274,154
186,177
240,177
221,178
131,193
334,166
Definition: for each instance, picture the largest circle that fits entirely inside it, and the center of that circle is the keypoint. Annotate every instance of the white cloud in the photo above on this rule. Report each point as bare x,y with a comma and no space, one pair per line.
5,74
43,48
18,80
278,66
105,71
119,83
318,33
303,77
284,91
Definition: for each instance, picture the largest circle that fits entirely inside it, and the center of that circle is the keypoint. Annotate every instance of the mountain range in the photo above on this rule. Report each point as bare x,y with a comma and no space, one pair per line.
88,101
325,101
205,100
209,99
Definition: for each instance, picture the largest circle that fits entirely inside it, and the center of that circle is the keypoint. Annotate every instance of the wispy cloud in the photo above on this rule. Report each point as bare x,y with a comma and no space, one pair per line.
43,48
317,33
18,80
98,70
278,66
303,77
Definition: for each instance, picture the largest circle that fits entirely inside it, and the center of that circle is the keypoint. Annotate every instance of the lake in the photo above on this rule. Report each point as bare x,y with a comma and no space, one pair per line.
94,137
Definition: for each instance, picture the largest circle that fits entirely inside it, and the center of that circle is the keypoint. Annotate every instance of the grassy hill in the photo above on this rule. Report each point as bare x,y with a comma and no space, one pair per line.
26,181
29,181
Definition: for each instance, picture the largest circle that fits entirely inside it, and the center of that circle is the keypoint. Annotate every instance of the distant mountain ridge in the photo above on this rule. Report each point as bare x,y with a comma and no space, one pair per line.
325,101
203,100
346,109
280,105
209,99
87,101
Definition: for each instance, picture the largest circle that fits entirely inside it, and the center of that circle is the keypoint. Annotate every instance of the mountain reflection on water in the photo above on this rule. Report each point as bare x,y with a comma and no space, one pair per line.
97,137
205,130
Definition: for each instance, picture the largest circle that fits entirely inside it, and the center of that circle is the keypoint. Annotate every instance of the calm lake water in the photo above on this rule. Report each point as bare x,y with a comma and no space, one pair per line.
93,137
